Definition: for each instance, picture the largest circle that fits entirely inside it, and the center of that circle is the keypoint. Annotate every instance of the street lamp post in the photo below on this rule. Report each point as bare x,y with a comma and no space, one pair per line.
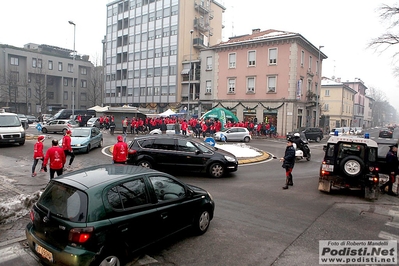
73,68
318,89
189,76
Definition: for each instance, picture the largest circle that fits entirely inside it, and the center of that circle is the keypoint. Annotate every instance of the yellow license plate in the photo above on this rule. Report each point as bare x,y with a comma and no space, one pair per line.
44,253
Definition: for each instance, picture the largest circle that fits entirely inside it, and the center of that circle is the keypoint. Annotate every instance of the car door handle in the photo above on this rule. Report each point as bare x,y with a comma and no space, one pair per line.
164,215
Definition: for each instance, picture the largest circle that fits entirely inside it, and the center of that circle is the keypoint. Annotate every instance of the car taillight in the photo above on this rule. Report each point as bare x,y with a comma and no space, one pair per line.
132,152
375,179
80,235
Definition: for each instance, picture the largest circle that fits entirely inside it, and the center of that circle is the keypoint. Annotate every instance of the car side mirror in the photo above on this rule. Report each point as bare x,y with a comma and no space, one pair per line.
324,147
197,152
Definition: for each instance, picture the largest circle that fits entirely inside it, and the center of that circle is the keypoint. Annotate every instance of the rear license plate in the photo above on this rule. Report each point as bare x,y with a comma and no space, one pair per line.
327,167
44,253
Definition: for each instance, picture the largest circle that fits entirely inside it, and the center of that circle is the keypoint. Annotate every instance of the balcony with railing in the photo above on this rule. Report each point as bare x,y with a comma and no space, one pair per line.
202,6
201,24
199,43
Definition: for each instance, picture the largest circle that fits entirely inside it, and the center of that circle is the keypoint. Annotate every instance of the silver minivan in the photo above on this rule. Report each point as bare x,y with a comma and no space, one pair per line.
11,129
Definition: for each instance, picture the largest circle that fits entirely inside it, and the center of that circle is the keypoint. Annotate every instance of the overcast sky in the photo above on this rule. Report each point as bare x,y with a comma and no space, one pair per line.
343,27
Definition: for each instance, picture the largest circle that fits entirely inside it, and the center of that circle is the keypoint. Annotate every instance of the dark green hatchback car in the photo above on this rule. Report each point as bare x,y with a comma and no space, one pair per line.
103,214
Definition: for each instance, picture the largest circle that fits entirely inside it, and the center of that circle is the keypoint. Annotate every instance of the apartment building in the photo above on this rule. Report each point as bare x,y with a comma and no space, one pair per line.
152,50
268,76
368,111
337,103
359,104
40,79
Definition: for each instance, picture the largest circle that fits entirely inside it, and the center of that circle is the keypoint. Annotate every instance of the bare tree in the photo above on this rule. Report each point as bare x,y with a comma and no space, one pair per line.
94,95
388,14
40,89
9,89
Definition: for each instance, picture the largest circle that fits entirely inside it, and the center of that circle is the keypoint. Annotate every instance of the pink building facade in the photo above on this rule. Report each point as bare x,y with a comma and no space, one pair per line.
269,76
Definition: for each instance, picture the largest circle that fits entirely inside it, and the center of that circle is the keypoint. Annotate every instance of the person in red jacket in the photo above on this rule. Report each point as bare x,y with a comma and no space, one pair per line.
184,127
57,159
120,151
66,145
37,154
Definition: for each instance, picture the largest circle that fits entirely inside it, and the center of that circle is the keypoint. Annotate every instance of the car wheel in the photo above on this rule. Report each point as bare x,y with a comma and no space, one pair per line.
201,222
145,164
64,131
44,130
88,148
100,144
216,170
318,139
109,260
352,166
246,139
22,143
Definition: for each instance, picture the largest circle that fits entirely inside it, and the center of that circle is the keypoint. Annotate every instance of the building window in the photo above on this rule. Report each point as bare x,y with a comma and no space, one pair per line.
175,10
142,91
273,56
251,58
50,65
326,107
173,49
209,63
251,85
34,62
327,93
310,63
231,86
173,30
29,92
39,63
83,97
70,68
83,83
232,60
14,76
83,71
59,66
271,84
302,57
65,82
50,95
14,61
208,89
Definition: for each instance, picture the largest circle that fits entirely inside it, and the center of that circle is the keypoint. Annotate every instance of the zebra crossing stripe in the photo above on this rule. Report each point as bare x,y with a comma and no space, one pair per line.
388,236
393,224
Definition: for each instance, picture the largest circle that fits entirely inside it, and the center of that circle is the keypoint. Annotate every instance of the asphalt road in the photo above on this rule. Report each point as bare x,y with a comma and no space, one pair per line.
256,222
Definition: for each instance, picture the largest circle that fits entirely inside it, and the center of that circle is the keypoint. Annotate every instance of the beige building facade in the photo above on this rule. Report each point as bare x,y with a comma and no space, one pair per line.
337,103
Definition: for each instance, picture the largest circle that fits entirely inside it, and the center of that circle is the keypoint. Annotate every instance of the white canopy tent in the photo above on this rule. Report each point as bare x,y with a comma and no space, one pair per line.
167,113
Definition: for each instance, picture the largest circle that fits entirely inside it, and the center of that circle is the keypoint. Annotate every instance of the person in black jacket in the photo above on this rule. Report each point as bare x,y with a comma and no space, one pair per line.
392,164
288,163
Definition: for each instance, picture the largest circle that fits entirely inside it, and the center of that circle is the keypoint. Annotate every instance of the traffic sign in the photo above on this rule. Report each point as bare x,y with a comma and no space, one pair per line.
210,141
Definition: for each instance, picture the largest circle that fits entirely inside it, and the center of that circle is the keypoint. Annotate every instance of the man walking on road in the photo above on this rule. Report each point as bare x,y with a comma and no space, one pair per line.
392,163
37,154
288,163
66,145
57,159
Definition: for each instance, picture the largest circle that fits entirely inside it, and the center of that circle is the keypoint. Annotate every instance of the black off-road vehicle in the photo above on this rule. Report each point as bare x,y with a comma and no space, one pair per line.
350,163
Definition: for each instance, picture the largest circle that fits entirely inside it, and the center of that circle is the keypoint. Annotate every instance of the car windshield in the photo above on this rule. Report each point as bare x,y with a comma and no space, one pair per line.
92,120
64,202
72,122
81,132
204,146
9,121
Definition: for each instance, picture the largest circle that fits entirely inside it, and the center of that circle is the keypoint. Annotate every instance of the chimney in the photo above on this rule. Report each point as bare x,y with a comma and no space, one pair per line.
255,31
338,80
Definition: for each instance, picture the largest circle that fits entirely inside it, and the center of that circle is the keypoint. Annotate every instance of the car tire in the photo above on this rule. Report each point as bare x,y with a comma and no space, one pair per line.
216,170
109,259
201,222
88,148
318,139
247,139
64,131
145,164
22,143
44,130
352,166
100,144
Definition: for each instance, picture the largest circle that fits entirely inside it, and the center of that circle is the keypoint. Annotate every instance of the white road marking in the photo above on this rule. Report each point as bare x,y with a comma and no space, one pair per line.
388,236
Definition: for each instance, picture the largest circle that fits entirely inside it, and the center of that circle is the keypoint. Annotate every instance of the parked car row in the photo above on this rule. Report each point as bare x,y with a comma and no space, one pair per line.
311,133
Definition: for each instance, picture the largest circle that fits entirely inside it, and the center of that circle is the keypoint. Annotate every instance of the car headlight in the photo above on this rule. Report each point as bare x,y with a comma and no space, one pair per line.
230,159
78,145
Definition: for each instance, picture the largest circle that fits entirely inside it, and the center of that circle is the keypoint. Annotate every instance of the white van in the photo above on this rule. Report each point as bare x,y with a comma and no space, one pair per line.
11,129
